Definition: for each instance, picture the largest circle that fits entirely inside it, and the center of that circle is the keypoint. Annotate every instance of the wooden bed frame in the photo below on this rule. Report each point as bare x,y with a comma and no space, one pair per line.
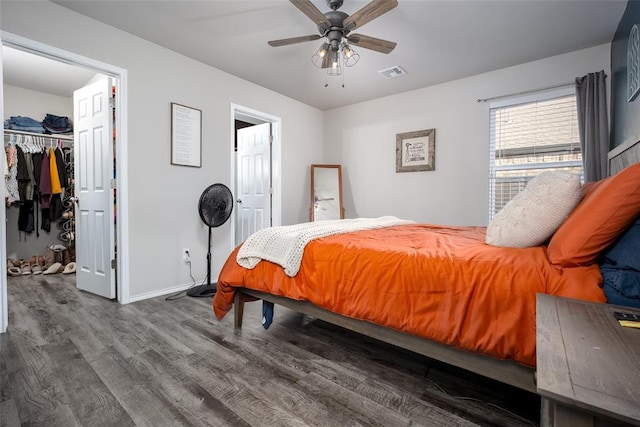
505,371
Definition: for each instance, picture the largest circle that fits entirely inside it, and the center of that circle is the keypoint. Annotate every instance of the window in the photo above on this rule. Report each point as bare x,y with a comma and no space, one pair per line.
529,136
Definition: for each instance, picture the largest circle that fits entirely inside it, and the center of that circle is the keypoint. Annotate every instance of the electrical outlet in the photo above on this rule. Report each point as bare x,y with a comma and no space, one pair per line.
186,255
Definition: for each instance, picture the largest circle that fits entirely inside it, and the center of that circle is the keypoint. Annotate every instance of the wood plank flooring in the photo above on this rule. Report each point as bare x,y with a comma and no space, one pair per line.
71,358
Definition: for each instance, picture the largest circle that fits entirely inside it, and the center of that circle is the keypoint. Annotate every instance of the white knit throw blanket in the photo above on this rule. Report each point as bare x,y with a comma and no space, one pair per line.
285,245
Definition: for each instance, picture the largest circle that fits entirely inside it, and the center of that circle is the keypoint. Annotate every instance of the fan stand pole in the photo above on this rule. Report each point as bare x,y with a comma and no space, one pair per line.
209,289
209,262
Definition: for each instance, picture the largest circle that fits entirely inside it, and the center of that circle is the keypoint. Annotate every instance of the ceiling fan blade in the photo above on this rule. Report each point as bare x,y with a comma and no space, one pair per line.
368,42
293,40
311,11
368,13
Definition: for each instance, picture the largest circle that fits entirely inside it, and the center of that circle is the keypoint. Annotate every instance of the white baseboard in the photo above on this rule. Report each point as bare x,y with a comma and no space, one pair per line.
161,292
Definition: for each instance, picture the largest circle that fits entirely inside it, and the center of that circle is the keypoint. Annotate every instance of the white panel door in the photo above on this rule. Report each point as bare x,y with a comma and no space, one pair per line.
94,213
253,198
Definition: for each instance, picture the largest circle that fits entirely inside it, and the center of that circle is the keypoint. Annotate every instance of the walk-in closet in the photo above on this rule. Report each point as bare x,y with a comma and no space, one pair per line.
49,232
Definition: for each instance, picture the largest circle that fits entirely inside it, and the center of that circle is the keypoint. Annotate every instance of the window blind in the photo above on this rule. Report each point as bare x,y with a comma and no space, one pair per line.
528,138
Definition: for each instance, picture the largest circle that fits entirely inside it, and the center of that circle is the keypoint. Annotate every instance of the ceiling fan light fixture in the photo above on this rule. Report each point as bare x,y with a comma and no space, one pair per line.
351,57
334,69
324,49
318,58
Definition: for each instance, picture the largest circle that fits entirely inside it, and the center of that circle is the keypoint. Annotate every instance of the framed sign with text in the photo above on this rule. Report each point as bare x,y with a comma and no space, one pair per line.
416,151
186,136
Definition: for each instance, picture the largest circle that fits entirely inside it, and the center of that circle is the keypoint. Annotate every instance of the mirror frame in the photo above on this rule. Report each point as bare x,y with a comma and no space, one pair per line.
321,166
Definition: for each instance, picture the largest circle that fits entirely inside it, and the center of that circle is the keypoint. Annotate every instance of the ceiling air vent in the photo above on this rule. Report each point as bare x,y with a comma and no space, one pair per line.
392,72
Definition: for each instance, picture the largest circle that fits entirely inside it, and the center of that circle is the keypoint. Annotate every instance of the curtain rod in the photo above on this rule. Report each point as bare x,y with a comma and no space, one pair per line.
526,91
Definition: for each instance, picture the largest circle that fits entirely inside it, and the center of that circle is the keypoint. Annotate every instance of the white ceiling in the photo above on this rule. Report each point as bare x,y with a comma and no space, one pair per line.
438,41
42,74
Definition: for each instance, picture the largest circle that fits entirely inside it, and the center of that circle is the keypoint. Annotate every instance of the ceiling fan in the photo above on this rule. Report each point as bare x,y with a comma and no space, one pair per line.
336,26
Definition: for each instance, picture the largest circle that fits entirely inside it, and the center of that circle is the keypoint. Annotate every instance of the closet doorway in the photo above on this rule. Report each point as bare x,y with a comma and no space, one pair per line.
255,168
94,260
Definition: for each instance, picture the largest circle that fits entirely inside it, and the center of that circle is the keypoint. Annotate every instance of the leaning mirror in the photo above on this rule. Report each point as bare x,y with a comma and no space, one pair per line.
326,192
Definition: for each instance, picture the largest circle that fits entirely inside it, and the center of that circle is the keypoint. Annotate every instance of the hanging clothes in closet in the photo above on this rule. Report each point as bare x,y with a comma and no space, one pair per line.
59,182
11,180
37,178
5,166
26,184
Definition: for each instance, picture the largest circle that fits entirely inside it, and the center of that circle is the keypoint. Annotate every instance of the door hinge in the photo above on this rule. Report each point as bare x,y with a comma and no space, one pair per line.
114,264
112,183
112,103
271,191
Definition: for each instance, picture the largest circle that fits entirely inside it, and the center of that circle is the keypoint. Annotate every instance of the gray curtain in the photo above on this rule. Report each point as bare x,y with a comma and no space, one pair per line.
593,124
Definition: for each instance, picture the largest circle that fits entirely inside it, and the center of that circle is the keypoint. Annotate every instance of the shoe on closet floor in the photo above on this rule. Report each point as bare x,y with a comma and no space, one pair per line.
55,268
12,268
14,271
69,268
49,258
35,267
25,268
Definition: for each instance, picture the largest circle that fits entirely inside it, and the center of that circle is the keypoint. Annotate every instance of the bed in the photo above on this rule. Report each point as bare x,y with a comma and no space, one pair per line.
442,291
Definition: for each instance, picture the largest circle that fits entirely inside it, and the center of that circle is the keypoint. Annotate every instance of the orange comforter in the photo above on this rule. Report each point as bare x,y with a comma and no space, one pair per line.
441,283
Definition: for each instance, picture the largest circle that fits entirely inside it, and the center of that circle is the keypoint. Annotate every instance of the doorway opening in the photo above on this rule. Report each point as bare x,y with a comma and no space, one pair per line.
116,264
255,171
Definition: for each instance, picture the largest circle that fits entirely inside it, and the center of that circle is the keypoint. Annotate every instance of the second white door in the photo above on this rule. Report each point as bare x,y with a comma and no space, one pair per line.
253,199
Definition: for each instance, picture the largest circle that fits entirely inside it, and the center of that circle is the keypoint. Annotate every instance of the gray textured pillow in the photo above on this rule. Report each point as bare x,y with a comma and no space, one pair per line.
532,216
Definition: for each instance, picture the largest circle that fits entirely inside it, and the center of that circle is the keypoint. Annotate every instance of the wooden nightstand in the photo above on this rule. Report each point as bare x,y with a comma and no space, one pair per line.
588,370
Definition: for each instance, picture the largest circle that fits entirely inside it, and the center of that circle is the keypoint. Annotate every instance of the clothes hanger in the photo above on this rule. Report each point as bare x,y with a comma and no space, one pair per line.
20,142
28,144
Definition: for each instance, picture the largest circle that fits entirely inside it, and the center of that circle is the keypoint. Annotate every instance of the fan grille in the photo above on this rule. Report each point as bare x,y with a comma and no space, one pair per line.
215,205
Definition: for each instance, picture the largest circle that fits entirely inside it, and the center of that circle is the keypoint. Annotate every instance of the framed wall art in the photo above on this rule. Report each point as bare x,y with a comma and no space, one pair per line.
186,136
633,63
416,151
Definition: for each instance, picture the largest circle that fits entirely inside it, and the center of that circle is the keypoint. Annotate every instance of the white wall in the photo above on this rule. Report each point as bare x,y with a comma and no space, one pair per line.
24,102
361,137
163,198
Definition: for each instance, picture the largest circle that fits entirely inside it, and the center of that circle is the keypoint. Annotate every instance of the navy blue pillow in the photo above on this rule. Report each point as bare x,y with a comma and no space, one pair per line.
620,268
621,287
625,252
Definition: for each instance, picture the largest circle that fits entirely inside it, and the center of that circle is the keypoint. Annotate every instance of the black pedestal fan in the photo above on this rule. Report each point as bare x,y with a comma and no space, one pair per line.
215,206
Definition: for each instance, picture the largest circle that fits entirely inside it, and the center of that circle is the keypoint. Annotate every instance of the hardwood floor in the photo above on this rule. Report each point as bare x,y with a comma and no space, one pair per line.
73,359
